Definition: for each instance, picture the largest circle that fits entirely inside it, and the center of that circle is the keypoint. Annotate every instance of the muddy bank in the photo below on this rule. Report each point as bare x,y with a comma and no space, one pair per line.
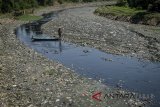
81,26
29,79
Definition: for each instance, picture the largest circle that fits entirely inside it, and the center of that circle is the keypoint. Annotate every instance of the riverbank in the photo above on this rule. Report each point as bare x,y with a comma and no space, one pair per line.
86,29
129,15
38,12
29,79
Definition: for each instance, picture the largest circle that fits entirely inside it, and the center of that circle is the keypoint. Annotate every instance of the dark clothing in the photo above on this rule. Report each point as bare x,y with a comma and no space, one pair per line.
60,32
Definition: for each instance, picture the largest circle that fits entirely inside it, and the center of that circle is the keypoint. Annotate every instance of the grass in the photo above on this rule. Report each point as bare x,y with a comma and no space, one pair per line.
115,10
136,15
28,17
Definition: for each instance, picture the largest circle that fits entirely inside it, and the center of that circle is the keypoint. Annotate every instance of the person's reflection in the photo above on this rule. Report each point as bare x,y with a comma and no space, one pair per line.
58,50
60,46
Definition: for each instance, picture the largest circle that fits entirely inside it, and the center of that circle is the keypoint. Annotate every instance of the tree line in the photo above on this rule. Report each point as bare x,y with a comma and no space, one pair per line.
150,5
15,5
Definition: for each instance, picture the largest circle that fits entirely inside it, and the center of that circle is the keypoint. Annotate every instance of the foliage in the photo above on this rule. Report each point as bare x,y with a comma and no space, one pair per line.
121,2
14,5
116,10
7,6
28,17
130,14
151,5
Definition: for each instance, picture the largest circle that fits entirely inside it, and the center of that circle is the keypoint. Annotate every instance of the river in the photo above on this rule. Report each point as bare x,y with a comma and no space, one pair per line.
130,73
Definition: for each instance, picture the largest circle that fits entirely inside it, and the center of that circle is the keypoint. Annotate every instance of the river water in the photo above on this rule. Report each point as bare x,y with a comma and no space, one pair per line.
131,73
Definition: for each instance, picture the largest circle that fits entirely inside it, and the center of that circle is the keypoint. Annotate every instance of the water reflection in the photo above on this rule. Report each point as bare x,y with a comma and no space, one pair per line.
28,33
60,46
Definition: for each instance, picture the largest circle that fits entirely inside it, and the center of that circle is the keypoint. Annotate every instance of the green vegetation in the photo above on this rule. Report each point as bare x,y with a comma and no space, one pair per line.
16,5
118,11
132,11
23,9
28,17
150,5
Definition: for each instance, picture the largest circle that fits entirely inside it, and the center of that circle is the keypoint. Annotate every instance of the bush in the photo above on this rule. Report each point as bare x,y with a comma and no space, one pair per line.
150,5
6,6
156,6
121,2
88,0
15,5
50,2
60,1
75,0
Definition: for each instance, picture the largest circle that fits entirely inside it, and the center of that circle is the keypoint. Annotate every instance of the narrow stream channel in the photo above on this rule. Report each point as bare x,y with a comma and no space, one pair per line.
133,74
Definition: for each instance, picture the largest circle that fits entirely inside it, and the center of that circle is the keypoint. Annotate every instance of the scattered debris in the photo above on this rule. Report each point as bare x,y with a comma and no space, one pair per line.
106,59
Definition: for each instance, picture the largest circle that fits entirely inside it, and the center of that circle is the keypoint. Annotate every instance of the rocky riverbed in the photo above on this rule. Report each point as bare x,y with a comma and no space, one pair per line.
27,79
82,27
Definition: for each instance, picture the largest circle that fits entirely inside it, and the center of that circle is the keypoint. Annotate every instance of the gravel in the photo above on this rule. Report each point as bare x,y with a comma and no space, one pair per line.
27,79
82,27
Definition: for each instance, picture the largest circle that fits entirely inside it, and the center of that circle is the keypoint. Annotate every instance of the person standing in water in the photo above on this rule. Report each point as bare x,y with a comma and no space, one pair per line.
60,33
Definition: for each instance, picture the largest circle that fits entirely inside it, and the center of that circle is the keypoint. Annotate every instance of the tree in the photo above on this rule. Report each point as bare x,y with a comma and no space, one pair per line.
6,6
121,2
50,2
151,5
156,6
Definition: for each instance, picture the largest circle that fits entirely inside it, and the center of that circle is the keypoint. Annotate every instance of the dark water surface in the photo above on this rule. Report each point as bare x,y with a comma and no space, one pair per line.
133,74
